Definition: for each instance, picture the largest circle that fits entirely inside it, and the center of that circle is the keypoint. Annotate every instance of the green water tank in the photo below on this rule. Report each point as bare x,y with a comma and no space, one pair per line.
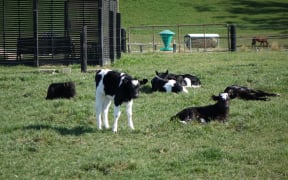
166,36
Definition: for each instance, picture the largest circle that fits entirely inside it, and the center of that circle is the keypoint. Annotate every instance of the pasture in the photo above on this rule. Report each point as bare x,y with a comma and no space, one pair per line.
252,18
43,139
255,16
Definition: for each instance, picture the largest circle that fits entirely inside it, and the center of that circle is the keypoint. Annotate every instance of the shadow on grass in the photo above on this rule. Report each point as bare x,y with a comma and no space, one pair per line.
272,14
146,89
76,131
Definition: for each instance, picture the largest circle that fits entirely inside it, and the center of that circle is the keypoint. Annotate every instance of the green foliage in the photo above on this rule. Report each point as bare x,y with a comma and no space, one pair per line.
42,138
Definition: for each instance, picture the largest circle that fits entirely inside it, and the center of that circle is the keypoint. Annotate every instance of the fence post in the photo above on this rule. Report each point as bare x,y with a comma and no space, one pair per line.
233,37
129,41
83,44
174,47
35,32
123,40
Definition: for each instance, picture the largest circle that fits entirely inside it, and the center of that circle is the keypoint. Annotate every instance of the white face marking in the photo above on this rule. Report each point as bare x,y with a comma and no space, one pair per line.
224,96
135,82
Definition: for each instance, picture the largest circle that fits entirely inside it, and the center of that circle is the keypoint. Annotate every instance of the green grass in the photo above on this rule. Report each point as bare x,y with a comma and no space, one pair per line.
249,15
252,18
58,139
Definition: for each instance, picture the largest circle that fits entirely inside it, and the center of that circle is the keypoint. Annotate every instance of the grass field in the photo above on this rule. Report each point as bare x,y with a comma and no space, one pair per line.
252,18
58,139
249,15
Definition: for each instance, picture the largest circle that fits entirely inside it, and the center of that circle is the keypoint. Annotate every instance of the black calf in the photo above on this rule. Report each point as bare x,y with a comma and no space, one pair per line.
246,93
218,111
61,90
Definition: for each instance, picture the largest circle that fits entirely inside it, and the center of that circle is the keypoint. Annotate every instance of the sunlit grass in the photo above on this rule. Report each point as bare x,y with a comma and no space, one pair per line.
43,139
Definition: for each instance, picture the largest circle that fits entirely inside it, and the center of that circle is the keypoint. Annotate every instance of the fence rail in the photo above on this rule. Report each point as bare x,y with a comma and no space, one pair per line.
142,39
147,38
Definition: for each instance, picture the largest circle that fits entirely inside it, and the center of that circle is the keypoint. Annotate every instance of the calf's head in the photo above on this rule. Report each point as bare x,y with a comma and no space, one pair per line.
131,86
222,98
163,75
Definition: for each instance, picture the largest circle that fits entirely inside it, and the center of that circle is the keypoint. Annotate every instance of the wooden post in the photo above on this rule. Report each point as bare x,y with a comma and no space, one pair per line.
233,37
35,32
83,39
174,47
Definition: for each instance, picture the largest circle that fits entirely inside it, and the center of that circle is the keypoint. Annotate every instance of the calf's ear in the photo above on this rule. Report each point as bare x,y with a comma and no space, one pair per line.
143,81
215,98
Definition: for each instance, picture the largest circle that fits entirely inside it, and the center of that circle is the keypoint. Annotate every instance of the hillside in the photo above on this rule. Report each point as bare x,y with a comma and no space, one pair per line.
268,14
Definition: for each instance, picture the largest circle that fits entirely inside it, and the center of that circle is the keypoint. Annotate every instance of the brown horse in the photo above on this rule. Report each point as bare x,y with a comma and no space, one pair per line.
263,41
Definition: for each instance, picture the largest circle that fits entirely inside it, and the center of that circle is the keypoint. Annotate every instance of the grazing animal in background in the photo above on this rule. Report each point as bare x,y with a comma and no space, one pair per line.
246,93
119,87
61,90
186,80
263,41
205,114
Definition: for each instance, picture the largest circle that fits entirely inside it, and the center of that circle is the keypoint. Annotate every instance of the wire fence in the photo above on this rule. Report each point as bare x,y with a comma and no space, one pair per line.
148,38
186,38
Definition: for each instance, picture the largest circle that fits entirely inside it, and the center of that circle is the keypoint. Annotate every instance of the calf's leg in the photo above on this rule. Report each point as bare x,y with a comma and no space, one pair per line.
117,113
98,109
105,108
129,114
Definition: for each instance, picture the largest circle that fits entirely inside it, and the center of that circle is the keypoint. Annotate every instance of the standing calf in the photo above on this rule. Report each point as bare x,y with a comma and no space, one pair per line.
218,111
61,90
119,87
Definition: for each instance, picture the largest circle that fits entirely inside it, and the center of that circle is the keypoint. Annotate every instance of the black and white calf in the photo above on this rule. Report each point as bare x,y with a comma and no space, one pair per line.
246,93
119,87
218,111
185,80
61,90
165,85
191,81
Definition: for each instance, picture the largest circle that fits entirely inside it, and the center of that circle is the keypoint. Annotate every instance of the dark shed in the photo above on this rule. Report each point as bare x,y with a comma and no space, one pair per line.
48,31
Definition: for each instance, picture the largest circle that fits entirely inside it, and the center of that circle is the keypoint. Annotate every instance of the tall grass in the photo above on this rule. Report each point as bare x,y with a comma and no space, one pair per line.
58,139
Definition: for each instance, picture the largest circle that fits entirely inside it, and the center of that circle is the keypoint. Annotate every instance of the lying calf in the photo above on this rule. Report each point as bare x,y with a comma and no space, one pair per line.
165,85
246,93
186,80
218,111
119,87
61,90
